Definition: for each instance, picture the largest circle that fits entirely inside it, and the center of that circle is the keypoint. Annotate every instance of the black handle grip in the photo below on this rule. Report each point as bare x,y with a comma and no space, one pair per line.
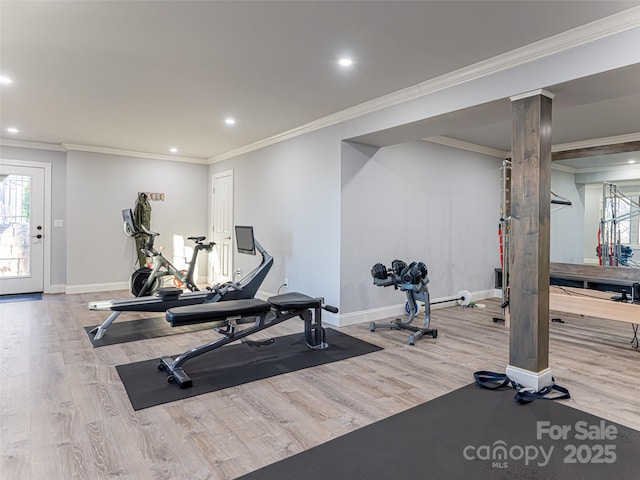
330,308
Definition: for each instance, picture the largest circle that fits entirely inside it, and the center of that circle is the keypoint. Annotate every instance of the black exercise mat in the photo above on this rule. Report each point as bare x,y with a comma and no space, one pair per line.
20,297
458,436
234,365
141,329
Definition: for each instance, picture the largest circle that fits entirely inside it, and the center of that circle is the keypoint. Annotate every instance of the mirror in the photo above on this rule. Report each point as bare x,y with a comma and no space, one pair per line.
611,181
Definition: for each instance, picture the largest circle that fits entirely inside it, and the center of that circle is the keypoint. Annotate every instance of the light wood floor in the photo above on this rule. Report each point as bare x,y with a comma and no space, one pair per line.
65,414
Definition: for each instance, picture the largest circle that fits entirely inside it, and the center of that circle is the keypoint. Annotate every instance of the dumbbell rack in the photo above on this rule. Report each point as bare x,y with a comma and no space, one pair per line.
413,280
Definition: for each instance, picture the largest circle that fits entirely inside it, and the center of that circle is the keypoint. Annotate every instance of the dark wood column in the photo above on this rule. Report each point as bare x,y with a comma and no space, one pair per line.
530,232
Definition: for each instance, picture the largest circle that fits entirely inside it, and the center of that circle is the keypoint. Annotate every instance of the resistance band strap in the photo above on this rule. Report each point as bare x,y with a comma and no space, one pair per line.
494,381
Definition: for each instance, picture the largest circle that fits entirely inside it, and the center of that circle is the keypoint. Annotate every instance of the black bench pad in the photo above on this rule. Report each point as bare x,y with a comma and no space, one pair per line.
294,301
211,312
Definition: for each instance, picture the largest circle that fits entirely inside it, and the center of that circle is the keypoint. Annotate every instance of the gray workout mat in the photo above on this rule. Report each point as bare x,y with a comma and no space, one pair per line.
472,433
235,364
140,329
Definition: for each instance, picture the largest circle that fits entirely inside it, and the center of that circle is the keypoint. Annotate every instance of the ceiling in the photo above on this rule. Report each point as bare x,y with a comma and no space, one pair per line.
145,76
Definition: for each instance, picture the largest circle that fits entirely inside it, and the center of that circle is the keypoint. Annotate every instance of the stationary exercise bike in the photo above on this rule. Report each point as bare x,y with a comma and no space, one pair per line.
145,280
170,297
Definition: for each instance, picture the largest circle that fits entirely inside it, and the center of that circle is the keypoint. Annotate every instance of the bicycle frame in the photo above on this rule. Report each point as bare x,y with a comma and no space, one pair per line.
163,267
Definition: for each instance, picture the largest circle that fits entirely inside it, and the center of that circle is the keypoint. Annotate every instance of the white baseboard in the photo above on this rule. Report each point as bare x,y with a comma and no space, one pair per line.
55,289
372,315
535,380
484,294
334,319
108,287
96,287
375,314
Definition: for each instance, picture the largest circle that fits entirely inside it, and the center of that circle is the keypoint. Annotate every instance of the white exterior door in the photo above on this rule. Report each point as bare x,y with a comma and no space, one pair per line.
22,229
221,269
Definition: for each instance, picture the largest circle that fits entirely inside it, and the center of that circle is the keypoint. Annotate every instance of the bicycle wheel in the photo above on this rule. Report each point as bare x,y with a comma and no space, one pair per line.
138,280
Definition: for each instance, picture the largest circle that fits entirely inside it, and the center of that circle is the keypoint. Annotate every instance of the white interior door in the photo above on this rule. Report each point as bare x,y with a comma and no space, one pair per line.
21,229
222,222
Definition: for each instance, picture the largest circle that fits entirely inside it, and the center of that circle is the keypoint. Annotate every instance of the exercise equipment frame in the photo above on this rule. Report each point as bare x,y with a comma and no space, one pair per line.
172,297
227,316
413,280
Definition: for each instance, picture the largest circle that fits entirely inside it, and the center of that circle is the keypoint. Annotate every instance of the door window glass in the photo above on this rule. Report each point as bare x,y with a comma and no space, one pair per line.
15,217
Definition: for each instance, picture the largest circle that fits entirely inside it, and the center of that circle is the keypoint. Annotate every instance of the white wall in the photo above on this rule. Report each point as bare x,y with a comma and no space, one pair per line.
592,208
290,193
418,201
99,255
567,223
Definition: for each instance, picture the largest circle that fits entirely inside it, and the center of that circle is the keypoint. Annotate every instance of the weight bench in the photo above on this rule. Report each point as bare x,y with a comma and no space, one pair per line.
225,318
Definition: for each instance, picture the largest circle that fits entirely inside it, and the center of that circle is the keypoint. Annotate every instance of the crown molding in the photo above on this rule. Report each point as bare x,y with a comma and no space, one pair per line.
56,147
581,35
472,147
563,168
561,147
130,153
598,29
596,142
617,168
327,121
65,147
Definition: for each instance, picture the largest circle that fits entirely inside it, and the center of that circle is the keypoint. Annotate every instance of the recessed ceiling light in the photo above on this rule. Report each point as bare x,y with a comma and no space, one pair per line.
230,121
12,130
632,161
4,79
173,150
345,62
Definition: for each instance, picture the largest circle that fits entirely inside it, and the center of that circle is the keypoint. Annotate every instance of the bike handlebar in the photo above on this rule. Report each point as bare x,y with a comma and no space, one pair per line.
151,252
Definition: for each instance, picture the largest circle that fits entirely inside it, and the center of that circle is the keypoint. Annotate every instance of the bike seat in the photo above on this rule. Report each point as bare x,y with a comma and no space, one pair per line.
196,239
